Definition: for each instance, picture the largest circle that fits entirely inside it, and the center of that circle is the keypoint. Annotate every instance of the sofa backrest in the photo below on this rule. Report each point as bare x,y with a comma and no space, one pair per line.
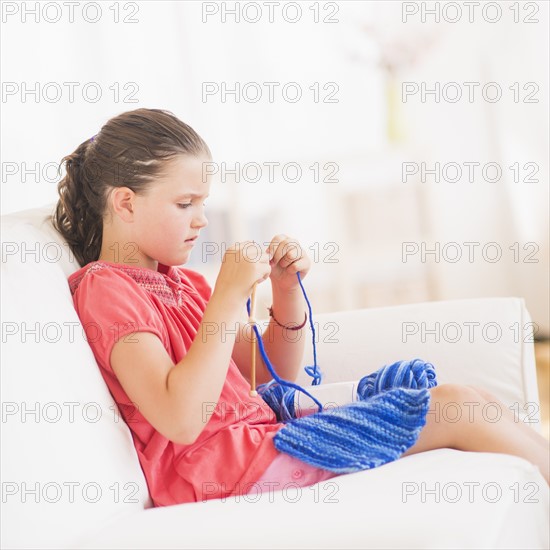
68,459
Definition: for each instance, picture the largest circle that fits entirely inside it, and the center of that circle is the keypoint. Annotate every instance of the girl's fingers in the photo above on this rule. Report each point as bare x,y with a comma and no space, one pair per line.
286,250
275,250
292,254
288,255
300,265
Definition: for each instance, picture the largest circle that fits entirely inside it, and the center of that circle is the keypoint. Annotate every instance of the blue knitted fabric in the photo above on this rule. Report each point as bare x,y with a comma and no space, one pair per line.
359,435
380,426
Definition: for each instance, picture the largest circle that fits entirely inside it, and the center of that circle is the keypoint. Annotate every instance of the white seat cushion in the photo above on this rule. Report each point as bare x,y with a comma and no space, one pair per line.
438,499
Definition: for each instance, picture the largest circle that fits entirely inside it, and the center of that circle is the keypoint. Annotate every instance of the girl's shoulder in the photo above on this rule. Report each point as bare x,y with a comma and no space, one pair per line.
107,270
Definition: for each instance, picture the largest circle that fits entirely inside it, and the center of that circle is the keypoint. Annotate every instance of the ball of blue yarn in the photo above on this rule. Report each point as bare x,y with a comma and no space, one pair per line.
280,399
413,374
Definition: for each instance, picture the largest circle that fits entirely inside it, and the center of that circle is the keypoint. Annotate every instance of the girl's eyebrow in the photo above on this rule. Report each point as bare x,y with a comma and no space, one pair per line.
191,195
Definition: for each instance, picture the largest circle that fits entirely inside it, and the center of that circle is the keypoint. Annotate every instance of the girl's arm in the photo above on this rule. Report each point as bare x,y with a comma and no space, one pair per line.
176,399
285,348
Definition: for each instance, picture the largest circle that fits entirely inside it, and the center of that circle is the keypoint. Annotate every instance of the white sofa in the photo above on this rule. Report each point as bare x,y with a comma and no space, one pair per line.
71,478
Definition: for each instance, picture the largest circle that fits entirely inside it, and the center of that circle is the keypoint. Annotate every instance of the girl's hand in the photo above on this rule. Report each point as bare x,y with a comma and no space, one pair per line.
287,258
241,269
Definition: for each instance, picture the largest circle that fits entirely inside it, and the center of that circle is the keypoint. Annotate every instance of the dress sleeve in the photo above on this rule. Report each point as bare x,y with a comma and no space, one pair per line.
111,306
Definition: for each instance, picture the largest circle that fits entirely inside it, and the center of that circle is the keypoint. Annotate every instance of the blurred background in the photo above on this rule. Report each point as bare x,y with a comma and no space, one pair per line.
405,148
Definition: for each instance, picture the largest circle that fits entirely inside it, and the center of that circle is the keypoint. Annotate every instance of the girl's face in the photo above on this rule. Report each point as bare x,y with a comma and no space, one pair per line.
170,214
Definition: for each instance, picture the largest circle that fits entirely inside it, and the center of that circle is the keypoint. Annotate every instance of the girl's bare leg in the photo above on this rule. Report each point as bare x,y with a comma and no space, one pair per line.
531,432
453,422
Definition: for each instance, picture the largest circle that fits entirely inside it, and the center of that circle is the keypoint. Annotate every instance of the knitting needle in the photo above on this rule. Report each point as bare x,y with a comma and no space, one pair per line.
251,320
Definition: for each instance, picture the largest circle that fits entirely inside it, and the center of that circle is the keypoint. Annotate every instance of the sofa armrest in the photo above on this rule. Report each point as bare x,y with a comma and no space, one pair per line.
484,342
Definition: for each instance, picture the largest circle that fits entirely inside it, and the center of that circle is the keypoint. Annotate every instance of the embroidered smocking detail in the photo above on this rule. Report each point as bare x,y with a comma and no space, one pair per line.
165,286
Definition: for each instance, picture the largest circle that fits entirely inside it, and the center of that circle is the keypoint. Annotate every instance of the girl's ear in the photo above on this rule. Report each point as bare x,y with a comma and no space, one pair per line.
122,202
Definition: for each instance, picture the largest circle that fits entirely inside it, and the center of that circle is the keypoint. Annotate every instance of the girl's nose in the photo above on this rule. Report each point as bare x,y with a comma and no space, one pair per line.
200,221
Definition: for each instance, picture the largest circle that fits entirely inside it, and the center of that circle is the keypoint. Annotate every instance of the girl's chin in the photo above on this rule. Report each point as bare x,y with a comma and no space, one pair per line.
177,260
184,256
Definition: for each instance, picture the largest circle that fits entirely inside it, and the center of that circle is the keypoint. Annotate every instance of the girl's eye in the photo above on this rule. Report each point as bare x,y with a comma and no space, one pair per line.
184,205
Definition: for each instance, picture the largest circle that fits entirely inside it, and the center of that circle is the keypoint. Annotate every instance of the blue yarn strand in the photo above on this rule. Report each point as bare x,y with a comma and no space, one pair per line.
314,371
279,399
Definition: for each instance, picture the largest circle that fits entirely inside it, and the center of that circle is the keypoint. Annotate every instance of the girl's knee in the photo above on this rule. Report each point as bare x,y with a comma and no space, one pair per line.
451,406
455,393
484,393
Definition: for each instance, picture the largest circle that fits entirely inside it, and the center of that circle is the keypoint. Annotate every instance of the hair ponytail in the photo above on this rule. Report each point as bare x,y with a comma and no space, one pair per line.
128,152
76,216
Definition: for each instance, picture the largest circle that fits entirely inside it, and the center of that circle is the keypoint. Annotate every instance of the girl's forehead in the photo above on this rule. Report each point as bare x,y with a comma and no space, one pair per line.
187,164
185,175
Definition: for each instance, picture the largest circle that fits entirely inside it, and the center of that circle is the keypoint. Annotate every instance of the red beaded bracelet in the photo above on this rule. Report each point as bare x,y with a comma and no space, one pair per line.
284,326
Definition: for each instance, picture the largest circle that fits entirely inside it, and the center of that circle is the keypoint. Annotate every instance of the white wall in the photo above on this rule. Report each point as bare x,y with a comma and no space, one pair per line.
169,52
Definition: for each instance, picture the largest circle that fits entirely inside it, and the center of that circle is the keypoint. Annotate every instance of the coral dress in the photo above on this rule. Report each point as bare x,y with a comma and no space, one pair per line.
235,447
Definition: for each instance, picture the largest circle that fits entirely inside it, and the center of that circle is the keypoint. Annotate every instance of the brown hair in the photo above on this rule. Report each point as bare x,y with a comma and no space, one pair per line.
128,152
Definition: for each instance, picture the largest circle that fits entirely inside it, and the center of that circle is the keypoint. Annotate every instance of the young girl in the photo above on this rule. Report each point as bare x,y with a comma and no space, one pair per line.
131,207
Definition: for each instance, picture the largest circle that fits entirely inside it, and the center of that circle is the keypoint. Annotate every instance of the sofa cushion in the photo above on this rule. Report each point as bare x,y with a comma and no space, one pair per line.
68,460
485,342
438,499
